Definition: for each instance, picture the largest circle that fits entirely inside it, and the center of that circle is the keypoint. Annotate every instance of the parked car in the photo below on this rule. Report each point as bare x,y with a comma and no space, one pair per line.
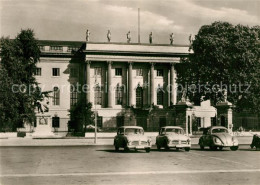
255,142
217,137
132,137
173,137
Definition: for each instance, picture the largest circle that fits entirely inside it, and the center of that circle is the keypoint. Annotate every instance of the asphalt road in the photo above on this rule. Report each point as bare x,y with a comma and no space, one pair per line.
102,165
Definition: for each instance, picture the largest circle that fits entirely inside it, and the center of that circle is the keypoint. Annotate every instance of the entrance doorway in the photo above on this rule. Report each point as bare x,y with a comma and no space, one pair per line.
223,121
139,97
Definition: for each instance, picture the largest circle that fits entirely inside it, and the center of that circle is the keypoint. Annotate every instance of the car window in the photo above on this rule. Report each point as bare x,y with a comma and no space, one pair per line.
174,131
219,130
132,131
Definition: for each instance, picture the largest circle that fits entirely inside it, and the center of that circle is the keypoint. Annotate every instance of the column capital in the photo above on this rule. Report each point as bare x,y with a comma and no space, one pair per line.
109,62
88,62
173,64
152,64
130,63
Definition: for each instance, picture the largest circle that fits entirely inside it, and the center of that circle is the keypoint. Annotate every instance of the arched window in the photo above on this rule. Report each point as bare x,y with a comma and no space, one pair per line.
160,94
139,97
119,95
98,95
56,96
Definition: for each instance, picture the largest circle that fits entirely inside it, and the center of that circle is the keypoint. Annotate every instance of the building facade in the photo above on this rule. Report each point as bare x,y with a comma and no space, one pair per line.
128,84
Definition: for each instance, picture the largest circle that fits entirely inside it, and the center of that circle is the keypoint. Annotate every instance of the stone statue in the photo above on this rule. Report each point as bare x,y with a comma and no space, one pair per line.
128,37
183,97
43,106
108,36
191,38
151,38
171,38
225,95
87,35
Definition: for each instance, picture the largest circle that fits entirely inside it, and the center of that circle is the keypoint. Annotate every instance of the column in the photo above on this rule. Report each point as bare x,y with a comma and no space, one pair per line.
130,84
173,85
152,84
88,81
109,89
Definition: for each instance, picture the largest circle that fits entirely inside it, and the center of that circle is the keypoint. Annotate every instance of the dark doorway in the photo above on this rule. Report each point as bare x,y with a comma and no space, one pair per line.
189,125
120,121
223,121
142,122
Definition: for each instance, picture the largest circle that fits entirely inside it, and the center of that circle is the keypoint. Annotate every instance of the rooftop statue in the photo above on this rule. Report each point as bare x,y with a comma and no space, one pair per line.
183,98
225,95
151,38
128,37
108,36
191,38
171,38
87,35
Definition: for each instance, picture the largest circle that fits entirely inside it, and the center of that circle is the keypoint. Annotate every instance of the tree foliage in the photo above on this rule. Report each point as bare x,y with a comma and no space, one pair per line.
225,57
81,115
19,89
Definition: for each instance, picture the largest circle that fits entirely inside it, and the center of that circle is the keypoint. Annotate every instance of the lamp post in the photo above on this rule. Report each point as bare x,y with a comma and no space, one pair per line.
95,102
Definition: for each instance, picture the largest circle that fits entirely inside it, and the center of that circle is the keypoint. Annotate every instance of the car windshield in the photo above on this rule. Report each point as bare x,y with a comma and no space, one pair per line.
219,130
130,131
174,131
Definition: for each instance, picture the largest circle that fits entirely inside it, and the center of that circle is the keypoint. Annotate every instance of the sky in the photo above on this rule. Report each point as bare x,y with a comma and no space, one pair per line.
69,19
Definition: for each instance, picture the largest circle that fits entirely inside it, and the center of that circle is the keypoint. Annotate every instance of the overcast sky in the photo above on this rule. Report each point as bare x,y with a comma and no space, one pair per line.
69,19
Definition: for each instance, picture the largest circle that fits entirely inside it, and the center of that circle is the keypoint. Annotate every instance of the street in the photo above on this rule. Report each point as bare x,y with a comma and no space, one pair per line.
102,165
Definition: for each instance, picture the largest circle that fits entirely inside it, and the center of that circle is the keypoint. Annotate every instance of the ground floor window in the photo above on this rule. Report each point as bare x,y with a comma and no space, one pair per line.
56,122
160,96
119,95
99,121
139,97
73,96
98,95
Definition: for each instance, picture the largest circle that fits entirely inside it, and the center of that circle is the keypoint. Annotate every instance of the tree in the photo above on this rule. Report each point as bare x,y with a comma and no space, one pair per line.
81,115
19,89
225,59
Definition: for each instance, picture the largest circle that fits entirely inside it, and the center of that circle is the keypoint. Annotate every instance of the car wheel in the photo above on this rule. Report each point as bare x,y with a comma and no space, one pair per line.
234,148
252,146
147,150
177,149
187,149
166,146
213,148
117,148
158,147
220,148
201,147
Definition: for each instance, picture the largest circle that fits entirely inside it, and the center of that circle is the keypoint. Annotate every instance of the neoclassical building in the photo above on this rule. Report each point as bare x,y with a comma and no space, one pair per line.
127,83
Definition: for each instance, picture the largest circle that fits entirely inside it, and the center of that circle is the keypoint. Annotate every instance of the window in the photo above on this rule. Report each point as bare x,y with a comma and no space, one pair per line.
139,72
198,121
38,71
118,71
160,96
139,97
73,96
119,95
99,121
42,48
97,71
55,71
73,72
56,96
159,72
70,49
56,48
98,95
56,122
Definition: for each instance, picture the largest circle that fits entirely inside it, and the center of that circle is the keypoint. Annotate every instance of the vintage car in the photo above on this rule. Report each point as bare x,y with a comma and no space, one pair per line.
173,137
132,137
255,142
217,137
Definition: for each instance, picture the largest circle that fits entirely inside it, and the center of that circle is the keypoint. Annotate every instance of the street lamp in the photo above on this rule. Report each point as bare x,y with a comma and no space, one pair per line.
95,102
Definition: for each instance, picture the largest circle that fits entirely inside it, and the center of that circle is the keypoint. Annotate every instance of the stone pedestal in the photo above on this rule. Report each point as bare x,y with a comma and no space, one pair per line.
43,126
224,115
183,116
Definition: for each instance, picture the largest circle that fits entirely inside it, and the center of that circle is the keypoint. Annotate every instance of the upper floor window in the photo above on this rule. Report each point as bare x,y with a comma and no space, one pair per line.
56,96
55,71
56,48
118,71
70,48
139,72
159,72
97,71
42,48
38,71
73,72
98,95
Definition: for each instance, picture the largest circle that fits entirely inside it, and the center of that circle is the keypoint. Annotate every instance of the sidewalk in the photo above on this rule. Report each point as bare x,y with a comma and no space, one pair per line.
82,141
